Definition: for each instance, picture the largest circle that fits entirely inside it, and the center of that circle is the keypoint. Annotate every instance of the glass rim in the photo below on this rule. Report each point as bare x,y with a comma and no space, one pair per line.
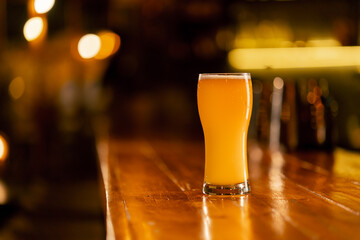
244,74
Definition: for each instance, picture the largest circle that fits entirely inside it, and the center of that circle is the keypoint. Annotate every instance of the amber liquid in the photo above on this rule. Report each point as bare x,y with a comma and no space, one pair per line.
225,104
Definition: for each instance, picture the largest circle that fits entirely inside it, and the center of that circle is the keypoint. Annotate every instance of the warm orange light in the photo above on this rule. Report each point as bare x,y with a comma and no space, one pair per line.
3,193
327,42
33,28
43,6
278,83
3,149
353,130
296,57
110,43
17,88
89,46
347,163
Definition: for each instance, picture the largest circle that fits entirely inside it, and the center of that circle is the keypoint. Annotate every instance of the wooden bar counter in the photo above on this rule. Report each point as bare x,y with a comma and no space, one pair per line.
153,191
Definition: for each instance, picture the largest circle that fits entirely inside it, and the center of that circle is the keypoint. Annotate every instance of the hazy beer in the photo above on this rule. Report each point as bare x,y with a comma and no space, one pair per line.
225,104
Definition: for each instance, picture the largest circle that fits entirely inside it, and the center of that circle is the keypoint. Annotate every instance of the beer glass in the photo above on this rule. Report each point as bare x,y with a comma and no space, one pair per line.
225,104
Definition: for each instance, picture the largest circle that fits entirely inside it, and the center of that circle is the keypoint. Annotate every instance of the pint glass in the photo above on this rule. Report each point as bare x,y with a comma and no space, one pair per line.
225,105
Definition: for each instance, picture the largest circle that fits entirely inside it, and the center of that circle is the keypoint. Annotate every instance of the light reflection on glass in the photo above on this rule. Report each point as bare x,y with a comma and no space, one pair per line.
242,201
33,28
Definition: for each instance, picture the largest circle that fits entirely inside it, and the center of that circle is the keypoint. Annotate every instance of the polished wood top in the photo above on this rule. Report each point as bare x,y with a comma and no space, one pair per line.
153,191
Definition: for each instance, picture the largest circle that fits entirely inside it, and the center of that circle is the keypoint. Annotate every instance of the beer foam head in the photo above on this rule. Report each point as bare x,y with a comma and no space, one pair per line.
224,76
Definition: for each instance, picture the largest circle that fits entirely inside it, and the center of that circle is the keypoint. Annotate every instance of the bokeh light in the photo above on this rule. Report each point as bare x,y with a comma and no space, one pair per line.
17,88
89,45
3,149
43,6
33,28
278,83
3,193
110,43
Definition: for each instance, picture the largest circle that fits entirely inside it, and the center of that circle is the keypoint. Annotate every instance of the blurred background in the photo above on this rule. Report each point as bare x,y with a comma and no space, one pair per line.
70,69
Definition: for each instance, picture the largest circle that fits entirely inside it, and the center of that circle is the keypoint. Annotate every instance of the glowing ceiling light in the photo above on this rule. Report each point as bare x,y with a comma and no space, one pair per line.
33,28
110,43
43,6
298,57
17,88
89,45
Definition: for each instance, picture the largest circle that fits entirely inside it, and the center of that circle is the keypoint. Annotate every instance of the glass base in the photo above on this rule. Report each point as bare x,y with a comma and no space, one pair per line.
233,189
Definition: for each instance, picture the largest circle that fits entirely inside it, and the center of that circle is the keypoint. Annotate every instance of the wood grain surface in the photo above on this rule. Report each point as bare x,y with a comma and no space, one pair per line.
153,191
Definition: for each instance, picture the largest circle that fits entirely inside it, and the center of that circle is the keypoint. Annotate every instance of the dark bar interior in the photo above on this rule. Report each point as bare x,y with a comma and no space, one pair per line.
74,72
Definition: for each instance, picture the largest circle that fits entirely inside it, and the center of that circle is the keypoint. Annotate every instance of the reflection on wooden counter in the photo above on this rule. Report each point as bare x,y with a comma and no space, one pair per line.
153,191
